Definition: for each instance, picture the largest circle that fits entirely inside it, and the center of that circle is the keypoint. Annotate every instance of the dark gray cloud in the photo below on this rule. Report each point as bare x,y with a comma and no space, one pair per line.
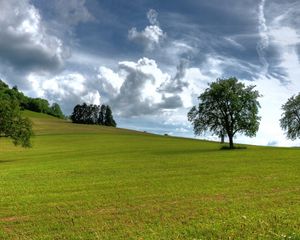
25,45
172,102
177,83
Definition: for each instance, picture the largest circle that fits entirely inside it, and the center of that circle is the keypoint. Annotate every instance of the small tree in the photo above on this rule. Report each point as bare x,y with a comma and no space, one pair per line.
13,125
227,106
102,114
290,121
109,120
56,111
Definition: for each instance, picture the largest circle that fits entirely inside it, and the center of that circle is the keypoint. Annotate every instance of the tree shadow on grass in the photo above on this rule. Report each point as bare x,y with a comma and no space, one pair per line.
6,161
234,148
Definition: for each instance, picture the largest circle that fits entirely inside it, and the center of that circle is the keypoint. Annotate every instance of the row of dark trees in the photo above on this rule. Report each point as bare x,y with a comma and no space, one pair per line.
93,114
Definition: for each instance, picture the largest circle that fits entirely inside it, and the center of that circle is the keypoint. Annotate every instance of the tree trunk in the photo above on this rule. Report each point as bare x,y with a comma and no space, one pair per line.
222,138
231,146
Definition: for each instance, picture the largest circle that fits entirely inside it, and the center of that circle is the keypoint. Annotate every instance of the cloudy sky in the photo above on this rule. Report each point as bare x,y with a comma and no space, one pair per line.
150,59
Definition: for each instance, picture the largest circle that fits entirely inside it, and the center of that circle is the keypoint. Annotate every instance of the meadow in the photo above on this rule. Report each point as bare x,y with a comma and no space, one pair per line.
95,182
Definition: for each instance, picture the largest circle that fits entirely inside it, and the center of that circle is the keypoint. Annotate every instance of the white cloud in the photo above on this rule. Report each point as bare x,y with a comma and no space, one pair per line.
271,101
152,17
234,43
67,88
264,38
135,87
151,36
286,38
111,82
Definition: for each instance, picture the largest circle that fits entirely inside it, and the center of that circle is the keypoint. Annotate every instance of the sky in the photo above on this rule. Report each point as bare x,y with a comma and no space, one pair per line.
151,59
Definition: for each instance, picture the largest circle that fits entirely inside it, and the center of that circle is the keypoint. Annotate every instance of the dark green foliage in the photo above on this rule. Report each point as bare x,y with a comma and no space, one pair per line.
93,114
32,104
227,106
109,120
85,114
102,115
56,111
3,85
13,125
38,105
290,121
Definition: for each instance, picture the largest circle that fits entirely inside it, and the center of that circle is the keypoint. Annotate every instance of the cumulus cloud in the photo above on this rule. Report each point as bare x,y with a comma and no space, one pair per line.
67,88
152,17
24,42
142,88
151,36
135,88
177,83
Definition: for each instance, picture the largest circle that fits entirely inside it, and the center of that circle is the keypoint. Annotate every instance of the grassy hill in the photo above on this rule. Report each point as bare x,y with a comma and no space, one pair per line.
94,182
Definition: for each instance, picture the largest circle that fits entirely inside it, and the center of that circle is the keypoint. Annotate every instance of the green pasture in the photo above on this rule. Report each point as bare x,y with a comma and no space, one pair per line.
95,182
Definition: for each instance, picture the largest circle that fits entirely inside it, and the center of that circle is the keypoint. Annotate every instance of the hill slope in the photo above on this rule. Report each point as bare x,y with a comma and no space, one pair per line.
93,182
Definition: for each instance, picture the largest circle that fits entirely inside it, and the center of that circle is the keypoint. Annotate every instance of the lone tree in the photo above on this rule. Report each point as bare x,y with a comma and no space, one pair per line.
109,120
13,125
226,107
101,117
290,121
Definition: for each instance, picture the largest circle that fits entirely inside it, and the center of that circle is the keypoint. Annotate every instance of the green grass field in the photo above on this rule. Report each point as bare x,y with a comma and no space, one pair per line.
92,182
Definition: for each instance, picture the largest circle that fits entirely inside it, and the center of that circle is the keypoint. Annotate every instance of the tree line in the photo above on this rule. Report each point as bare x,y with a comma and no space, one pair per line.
93,114
226,107
19,128
33,104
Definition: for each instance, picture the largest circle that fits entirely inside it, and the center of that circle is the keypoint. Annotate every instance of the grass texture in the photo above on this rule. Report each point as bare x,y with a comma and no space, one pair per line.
94,182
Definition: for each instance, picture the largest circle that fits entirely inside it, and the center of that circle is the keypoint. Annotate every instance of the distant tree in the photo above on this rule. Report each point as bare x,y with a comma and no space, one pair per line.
15,88
109,120
226,106
56,111
13,125
93,114
290,120
102,114
77,114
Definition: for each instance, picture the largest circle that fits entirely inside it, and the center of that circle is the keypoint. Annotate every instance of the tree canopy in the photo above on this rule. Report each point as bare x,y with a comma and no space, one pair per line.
228,107
290,120
33,104
13,125
93,114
